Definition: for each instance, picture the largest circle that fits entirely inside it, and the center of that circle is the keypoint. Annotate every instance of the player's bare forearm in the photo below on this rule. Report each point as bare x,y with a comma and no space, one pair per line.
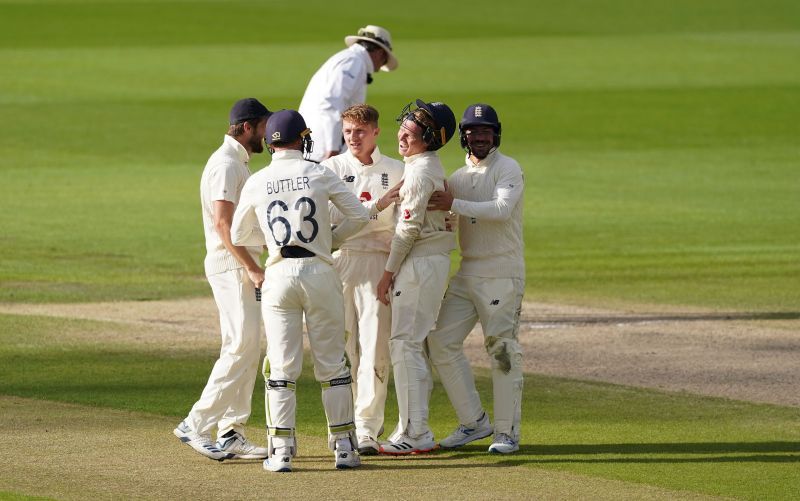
223,218
384,286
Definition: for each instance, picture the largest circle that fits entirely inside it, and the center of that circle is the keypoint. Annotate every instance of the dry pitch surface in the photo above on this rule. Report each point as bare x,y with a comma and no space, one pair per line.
117,454
754,357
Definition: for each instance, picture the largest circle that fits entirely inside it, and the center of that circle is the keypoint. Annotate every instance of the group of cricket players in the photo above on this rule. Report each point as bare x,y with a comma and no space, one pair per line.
359,252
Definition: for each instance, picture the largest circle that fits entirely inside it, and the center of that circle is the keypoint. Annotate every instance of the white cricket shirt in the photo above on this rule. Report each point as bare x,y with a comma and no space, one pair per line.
223,179
420,232
286,203
369,183
339,83
488,201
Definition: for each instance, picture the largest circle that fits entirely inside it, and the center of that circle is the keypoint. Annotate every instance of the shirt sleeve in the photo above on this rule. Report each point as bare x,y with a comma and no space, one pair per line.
415,194
223,182
347,82
245,230
507,192
354,213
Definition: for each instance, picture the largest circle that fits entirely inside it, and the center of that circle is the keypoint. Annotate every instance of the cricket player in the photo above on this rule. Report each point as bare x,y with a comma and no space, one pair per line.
416,271
285,206
233,274
486,194
342,82
360,262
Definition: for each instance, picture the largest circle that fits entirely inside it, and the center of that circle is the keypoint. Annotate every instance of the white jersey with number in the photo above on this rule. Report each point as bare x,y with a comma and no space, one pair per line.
286,204
369,183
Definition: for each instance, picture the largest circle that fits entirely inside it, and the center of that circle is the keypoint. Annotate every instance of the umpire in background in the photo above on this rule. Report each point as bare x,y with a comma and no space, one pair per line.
233,274
487,196
342,82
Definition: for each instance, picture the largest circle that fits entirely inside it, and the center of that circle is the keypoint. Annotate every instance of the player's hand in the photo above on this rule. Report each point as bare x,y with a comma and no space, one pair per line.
390,197
256,276
384,286
440,200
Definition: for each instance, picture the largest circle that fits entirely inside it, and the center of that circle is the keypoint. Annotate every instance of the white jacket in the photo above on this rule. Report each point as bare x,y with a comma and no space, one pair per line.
340,83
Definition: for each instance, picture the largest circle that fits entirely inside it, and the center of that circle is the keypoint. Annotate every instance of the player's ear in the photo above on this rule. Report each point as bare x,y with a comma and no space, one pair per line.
377,131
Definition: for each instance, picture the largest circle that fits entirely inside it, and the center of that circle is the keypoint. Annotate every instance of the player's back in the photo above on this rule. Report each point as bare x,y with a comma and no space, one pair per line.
292,206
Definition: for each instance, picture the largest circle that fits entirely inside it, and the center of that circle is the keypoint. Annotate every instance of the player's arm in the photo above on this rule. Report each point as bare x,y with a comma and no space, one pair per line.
415,194
356,216
223,223
507,192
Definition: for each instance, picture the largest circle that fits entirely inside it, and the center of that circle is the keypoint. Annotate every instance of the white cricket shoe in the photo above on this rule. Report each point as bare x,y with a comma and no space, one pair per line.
503,444
238,447
346,459
406,445
281,463
368,446
464,435
201,443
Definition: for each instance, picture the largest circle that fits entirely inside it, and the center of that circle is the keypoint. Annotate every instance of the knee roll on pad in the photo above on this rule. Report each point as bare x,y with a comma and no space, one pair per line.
275,384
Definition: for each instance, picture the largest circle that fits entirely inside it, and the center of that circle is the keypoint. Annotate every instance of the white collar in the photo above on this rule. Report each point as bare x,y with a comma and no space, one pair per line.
358,49
289,154
241,152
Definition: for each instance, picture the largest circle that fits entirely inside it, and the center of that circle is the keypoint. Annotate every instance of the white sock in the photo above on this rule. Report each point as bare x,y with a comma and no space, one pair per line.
343,444
283,451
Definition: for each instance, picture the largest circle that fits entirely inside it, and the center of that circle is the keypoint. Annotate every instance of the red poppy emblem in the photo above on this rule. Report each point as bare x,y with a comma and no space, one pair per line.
365,196
406,214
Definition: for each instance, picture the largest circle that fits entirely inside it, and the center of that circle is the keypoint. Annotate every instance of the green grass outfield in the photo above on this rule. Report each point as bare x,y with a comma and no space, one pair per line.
679,442
659,139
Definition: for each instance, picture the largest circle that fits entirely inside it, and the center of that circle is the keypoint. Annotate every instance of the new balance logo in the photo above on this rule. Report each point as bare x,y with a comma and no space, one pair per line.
349,179
495,302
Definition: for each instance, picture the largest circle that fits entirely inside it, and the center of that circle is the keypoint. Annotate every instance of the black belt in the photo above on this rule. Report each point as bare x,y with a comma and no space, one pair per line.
296,252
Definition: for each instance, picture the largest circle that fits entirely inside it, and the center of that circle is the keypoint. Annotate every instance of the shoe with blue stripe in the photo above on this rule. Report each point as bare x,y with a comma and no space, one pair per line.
200,443
238,447
503,444
464,435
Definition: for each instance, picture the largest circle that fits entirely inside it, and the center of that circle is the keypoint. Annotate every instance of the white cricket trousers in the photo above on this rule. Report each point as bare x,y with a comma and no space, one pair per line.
226,399
416,297
497,303
292,288
368,324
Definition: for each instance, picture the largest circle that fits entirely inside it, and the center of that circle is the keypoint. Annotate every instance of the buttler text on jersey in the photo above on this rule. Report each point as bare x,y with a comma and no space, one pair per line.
288,184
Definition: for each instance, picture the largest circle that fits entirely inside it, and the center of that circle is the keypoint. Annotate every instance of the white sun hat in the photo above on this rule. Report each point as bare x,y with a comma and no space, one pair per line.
380,37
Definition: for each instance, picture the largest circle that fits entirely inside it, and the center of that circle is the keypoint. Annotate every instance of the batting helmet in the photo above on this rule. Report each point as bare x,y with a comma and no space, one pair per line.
287,126
479,114
444,122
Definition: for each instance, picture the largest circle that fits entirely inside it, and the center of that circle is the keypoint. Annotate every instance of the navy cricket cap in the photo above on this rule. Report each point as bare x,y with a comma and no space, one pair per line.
286,126
246,109
480,114
443,119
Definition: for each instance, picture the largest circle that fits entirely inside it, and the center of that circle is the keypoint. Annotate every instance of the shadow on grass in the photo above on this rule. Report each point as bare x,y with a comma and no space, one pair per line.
635,319
651,448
